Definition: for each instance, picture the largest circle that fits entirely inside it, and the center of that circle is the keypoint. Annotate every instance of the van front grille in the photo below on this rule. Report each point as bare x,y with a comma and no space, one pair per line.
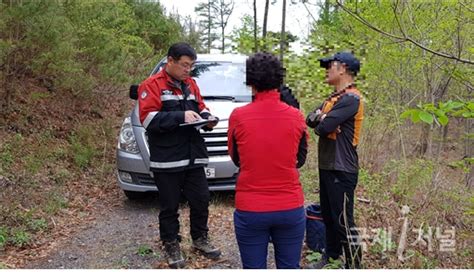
216,142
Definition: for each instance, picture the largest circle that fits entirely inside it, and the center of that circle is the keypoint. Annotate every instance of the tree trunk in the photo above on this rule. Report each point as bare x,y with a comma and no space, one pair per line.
264,31
223,38
469,151
282,36
426,141
222,26
209,26
255,47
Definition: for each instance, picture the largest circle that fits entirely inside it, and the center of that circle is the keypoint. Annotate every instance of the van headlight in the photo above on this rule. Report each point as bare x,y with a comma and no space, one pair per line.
127,141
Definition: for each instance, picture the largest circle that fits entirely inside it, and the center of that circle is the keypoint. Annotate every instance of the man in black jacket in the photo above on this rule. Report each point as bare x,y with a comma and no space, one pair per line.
177,153
338,122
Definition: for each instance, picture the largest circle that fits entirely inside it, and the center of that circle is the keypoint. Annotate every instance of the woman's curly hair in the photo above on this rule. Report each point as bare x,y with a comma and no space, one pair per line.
264,71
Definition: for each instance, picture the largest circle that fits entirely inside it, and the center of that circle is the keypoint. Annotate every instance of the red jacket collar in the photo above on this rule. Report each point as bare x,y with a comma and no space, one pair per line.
267,95
169,79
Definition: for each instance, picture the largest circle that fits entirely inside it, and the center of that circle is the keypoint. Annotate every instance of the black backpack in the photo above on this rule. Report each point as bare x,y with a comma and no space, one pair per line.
315,229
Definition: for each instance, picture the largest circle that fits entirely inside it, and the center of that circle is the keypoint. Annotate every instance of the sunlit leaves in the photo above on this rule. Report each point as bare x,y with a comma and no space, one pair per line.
429,113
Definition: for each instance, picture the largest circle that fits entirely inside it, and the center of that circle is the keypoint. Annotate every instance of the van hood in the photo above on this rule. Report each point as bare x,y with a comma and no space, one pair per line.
219,108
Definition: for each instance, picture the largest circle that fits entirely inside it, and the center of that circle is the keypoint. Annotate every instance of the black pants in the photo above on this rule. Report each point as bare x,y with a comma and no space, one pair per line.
337,208
192,183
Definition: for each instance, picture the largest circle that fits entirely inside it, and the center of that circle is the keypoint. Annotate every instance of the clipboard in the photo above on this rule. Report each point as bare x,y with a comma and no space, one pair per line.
200,123
197,123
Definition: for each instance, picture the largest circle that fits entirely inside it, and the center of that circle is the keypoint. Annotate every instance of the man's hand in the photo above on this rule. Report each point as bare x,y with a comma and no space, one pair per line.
214,123
321,116
313,118
191,116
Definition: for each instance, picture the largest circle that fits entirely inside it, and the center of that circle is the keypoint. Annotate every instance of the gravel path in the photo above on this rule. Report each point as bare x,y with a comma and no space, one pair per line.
121,235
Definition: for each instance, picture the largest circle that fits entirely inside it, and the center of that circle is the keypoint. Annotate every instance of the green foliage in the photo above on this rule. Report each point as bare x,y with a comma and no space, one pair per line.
373,184
410,177
208,23
144,250
38,224
108,40
55,202
428,113
3,236
242,37
334,264
153,26
62,176
427,262
82,45
383,243
6,157
314,257
464,164
20,238
471,206
8,150
124,263
39,95
83,146
310,182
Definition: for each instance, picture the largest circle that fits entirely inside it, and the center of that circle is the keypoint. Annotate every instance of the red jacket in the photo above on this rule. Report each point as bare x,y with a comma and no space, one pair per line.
162,102
268,140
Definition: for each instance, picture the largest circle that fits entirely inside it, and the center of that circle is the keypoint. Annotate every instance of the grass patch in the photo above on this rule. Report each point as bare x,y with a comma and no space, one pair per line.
38,224
309,178
314,257
410,176
33,163
55,203
62,176
83,147
6,157
3,236
20,238
144,250
35,96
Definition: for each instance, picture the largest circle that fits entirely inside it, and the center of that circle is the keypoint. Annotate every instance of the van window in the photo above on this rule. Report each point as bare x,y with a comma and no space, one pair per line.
220,79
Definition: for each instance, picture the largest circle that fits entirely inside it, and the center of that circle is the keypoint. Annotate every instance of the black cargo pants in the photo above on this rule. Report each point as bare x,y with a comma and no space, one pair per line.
337,208
192,183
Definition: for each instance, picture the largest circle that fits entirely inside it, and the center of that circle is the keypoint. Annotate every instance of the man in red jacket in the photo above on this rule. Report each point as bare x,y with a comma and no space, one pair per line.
177,153
267,139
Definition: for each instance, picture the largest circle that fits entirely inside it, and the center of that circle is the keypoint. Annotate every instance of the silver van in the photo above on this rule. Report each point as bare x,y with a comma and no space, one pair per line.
221,79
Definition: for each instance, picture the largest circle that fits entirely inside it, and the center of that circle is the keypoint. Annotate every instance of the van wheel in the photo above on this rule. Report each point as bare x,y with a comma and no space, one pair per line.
135,195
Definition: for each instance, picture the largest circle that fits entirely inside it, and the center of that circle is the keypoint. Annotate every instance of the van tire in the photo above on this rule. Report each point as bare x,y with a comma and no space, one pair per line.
131,195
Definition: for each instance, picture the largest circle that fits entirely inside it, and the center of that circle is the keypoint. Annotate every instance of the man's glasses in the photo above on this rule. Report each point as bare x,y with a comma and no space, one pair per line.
186,66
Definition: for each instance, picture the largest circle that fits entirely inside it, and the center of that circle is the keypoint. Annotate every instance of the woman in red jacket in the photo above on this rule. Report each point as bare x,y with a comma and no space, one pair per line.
267,139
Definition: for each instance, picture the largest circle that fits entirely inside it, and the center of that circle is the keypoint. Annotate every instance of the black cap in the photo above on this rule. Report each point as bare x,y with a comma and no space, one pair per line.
347,58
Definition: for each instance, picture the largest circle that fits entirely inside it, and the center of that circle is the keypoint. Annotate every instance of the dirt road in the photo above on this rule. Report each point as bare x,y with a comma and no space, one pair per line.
126,236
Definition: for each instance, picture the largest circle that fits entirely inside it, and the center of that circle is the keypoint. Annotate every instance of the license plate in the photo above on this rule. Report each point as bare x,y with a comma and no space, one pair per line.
210,172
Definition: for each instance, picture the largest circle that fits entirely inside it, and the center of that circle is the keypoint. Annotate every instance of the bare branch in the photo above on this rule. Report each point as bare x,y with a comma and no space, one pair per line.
309,12
406,38
467,8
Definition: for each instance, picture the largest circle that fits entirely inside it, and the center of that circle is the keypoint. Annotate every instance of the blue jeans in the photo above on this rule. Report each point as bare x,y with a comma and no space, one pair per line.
285,229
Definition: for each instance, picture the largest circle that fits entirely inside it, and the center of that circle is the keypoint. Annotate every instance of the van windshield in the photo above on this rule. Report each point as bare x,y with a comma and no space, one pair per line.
221,80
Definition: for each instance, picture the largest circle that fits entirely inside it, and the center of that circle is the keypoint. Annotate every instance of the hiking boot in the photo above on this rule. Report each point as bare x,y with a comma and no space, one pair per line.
203,245
174,255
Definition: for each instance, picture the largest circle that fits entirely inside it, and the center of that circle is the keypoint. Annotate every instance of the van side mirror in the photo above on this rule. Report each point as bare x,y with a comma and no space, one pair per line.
133,94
